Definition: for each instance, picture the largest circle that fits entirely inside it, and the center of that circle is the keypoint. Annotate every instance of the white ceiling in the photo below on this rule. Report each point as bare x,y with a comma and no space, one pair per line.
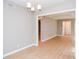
44,3
65,15
60,16
48,6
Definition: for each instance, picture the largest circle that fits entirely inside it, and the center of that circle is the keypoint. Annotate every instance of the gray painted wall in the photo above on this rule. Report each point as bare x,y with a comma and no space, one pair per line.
19,27
49,28
59,27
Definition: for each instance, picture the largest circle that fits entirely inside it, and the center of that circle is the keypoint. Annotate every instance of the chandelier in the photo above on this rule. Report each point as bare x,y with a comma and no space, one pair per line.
34,7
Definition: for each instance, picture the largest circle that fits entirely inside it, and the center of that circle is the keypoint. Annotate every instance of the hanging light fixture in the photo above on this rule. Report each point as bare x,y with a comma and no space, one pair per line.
39,7
34,7
28,5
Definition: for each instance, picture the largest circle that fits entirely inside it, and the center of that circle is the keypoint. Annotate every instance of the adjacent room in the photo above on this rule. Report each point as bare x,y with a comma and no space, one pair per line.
39,29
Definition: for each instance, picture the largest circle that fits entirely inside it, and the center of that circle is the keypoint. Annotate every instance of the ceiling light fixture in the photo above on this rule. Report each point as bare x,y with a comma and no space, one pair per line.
33,6
28,5
39,7
32,9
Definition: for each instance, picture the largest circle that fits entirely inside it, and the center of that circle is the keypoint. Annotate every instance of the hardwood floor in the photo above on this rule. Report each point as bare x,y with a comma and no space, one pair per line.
56,48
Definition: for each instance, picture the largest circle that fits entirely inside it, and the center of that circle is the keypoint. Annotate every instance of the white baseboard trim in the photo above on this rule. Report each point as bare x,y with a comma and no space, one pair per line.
49,38
35,45
15,51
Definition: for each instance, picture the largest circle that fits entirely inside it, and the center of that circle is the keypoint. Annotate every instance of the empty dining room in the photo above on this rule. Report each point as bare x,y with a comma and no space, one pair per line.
39,29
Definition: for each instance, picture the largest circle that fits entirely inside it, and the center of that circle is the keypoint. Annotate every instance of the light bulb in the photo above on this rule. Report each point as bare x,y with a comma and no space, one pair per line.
39,7
32,9
28,5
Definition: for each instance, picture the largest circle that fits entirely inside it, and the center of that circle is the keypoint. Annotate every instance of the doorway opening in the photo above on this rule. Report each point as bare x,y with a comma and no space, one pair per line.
39,33
56,28
60,24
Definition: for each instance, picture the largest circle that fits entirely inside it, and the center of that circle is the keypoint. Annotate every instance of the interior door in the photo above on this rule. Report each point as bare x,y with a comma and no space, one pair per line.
39,32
